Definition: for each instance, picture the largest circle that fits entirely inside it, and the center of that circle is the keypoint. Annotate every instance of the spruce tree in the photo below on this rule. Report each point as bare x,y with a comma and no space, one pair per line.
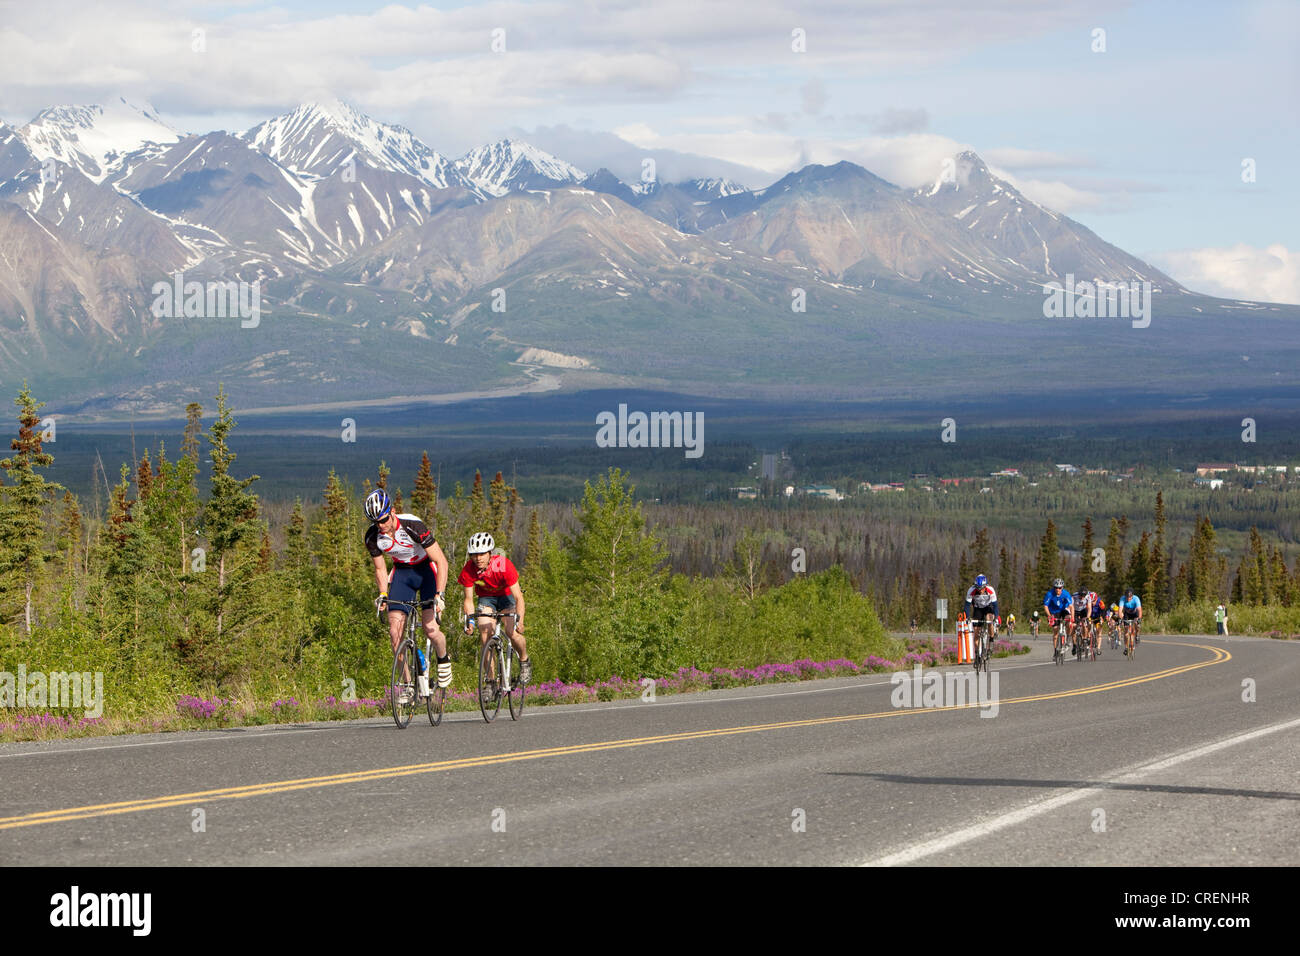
1087,577
26,495
425,496
231,513
534,551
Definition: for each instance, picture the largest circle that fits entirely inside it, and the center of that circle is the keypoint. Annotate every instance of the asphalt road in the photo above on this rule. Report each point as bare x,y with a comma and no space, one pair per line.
1158,761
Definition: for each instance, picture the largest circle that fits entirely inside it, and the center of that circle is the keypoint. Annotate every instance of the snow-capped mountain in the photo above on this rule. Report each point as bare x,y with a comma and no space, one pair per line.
317,139
96,139
714,188
1017,228
508,166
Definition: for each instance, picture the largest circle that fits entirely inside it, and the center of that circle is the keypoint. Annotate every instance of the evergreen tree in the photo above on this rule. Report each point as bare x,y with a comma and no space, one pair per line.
1281,584
1202,577
1160,559
231,513
477,509
424,499
497,506
144,477
69,540
23,543
1139,567
333,531
1089,579
296,555
1114,560
1049,560
534,553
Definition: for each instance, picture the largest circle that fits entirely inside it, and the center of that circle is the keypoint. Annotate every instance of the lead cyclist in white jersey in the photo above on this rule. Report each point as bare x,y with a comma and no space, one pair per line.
981,603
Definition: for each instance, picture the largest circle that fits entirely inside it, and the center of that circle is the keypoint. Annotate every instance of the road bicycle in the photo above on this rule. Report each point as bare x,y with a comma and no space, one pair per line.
1033,626
983,643
404,692
1114,634
1059,636
1130,638
1082,642
499,657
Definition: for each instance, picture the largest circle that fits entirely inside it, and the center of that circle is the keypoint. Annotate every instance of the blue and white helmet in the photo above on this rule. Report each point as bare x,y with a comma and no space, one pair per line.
378,505
981,580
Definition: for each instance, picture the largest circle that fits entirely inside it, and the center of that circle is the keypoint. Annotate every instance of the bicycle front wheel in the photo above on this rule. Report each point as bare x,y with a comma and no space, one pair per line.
516,684
437,699
401,688
489,682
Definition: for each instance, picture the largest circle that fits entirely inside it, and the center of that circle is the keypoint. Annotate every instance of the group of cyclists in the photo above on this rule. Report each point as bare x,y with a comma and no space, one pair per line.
491,584
1084,612
420,567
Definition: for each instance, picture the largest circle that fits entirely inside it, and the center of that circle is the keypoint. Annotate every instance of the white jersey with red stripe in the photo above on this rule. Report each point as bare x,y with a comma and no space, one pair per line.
981,597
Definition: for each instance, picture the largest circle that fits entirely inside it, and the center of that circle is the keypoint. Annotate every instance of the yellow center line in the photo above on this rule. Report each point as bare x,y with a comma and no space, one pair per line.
489,760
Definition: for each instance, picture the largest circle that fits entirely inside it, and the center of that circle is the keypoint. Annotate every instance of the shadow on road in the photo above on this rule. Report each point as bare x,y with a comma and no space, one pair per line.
1069,784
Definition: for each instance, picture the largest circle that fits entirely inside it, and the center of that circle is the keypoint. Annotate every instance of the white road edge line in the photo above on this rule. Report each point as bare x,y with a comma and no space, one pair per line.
975,832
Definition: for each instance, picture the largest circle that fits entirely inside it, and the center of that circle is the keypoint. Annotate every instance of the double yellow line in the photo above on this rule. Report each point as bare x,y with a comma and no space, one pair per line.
388,773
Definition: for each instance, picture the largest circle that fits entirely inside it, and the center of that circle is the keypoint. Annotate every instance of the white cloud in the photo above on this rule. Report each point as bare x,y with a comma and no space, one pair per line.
1271,274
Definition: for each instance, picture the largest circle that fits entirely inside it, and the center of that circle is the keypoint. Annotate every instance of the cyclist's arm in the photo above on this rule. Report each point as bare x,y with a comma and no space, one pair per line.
439,566
467,606
381,574
517,593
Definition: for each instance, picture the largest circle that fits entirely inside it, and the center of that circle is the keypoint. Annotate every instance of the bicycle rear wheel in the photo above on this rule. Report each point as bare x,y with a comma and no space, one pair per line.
437,699
489,687
514,666
402,684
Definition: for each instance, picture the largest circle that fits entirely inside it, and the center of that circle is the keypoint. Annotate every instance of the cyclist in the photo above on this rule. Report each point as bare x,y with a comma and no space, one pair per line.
1011,624
1033,623
1058,603
1099,614
494,581
419,566
982,603
1083,605
1130,606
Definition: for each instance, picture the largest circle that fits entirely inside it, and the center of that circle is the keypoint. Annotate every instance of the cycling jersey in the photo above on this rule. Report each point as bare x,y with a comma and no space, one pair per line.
494,581
1130,606
408,545
1058,604
983,601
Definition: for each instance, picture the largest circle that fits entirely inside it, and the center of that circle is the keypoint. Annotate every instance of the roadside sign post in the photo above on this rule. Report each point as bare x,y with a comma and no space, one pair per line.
941,612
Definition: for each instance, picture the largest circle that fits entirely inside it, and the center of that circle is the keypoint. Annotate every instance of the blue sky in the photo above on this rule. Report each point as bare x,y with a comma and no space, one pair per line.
1142,142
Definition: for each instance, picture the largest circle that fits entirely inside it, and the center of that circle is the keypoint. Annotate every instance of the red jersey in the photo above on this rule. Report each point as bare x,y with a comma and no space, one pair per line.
495,581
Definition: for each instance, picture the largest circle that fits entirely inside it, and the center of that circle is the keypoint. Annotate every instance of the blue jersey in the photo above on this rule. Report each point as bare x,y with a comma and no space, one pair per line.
1130,604
1059,603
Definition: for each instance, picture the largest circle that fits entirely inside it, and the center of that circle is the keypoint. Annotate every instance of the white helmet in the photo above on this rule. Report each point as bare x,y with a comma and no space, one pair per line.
479,543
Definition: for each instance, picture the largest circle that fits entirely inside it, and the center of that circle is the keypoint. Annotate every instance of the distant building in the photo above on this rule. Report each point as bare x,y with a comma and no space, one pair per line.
789,491
822,491
1068,469
1214,468
1210,483
955,481
1006,473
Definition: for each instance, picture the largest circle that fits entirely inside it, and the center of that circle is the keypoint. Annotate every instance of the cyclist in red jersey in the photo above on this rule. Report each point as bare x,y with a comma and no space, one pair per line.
493,581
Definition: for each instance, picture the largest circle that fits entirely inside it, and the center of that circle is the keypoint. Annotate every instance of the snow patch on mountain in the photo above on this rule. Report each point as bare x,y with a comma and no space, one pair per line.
509,166
96,139
317,139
